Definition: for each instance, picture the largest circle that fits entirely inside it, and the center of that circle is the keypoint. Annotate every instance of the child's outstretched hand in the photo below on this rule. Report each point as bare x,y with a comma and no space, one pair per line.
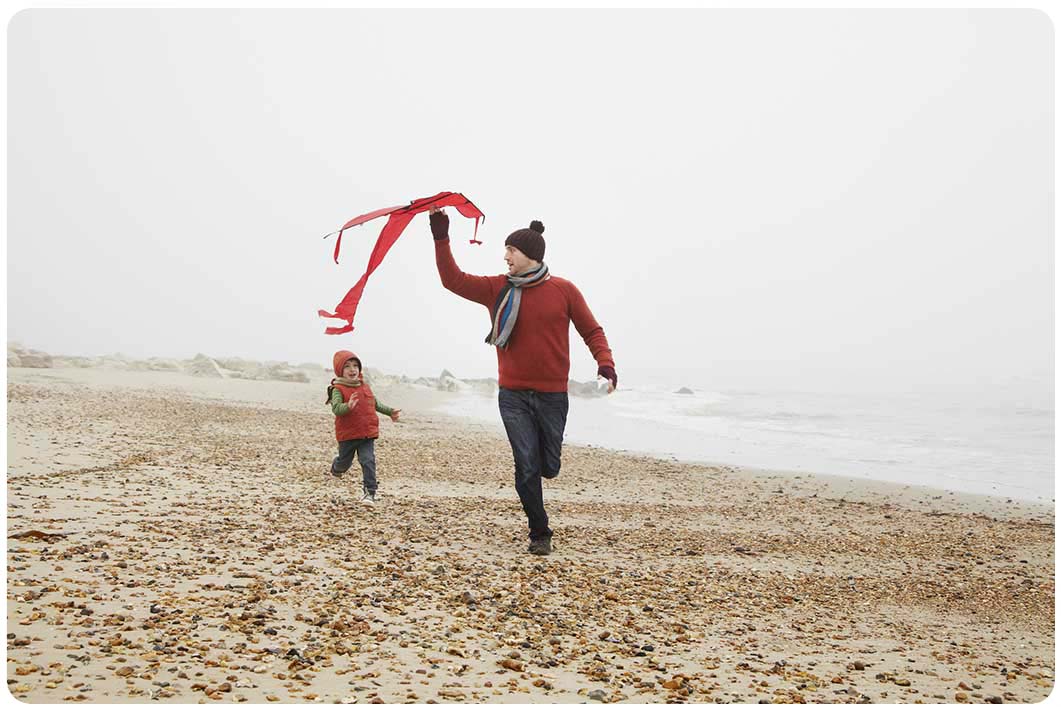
352,402
395,415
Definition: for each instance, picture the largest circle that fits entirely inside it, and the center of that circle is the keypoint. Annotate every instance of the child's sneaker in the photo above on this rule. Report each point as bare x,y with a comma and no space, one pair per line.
368,498
337,474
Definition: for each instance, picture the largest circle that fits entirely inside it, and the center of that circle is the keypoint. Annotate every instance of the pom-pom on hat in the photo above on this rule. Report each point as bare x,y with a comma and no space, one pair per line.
529,241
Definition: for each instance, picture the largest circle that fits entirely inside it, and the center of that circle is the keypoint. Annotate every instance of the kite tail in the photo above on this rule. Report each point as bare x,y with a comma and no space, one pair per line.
476,234
338,242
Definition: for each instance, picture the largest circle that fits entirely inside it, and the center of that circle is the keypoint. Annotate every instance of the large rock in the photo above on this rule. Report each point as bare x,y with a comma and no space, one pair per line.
246,368
590,389
450,383
157,364
115,361
486,386
75,362
377,378
204,367
29,358
283,372
683,391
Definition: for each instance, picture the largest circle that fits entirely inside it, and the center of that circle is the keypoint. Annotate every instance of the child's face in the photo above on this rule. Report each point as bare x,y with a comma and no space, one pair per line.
351,369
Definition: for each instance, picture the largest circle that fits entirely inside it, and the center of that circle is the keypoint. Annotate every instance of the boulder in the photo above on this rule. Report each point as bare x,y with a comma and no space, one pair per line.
74,362
450,383
204,367
156,364
485,386
683,391
590,389
286,373
31,358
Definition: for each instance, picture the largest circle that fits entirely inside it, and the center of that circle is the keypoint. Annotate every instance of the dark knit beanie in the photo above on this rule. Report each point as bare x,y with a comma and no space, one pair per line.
529,241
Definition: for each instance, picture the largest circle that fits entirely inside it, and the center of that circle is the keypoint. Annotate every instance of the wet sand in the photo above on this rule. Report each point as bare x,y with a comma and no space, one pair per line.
186,544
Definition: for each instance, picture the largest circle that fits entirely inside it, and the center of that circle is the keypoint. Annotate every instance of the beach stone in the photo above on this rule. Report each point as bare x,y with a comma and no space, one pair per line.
598,695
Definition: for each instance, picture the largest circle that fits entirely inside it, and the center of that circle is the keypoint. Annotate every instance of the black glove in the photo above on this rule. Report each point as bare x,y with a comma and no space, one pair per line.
609,373
439,225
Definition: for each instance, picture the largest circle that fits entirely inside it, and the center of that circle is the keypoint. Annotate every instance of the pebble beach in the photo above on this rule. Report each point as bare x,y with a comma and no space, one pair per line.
178,539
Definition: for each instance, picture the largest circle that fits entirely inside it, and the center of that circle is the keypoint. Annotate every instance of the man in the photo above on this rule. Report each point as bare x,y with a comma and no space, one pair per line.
531,313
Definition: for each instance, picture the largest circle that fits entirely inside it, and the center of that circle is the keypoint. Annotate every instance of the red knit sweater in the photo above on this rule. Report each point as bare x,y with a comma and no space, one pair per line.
538,355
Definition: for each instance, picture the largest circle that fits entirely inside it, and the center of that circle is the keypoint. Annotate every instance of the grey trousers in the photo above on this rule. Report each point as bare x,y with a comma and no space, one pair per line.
366,456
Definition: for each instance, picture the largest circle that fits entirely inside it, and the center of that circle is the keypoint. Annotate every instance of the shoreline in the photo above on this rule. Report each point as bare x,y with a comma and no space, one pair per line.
661,439
421,400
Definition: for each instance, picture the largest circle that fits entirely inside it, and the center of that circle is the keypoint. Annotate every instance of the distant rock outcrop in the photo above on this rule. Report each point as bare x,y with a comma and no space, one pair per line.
73,362
590,389
155,364
486,386
19,357
204,367
283,372
683,391
450,383
115,361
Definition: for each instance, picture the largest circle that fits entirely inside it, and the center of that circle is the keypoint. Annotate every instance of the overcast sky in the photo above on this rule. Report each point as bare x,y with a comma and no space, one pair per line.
747,199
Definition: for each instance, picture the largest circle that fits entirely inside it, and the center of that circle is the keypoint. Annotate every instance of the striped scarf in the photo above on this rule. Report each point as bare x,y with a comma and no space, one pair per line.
506,308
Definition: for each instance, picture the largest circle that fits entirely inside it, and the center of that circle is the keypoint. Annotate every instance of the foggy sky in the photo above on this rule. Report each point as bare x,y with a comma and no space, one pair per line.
747,199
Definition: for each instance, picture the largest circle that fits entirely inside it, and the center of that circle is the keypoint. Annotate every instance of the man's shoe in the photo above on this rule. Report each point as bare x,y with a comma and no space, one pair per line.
368,498
540,546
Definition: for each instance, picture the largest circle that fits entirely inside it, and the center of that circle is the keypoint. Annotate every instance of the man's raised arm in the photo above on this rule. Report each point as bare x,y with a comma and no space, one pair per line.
477,288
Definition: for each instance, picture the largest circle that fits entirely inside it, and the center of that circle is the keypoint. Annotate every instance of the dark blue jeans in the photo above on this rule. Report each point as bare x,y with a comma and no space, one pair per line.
535,425
366,455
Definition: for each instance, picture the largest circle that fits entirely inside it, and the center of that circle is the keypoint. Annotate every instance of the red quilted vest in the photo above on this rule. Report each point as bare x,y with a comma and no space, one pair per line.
361,422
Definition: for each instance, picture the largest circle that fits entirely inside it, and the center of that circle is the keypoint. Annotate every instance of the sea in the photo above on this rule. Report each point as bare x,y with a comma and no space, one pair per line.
997,443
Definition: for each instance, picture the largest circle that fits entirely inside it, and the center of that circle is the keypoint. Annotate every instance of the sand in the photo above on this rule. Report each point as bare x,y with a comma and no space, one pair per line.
187,545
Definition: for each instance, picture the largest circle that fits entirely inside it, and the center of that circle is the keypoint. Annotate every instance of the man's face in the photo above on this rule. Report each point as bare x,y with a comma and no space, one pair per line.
517,261
351,369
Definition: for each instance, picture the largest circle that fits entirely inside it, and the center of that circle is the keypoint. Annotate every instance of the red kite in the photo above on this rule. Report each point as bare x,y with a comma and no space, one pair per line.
400,216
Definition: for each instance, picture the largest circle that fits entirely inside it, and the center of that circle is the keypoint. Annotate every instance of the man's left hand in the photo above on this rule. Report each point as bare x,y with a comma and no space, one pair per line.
609,373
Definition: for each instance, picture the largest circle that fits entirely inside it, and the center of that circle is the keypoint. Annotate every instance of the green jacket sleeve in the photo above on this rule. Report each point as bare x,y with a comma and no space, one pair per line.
338,406
383,409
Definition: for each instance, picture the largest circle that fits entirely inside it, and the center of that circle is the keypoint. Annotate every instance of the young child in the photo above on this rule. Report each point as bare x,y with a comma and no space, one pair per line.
356,424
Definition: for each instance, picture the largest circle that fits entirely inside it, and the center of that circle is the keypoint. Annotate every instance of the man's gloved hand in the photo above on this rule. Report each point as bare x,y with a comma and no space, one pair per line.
439,224
609,373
